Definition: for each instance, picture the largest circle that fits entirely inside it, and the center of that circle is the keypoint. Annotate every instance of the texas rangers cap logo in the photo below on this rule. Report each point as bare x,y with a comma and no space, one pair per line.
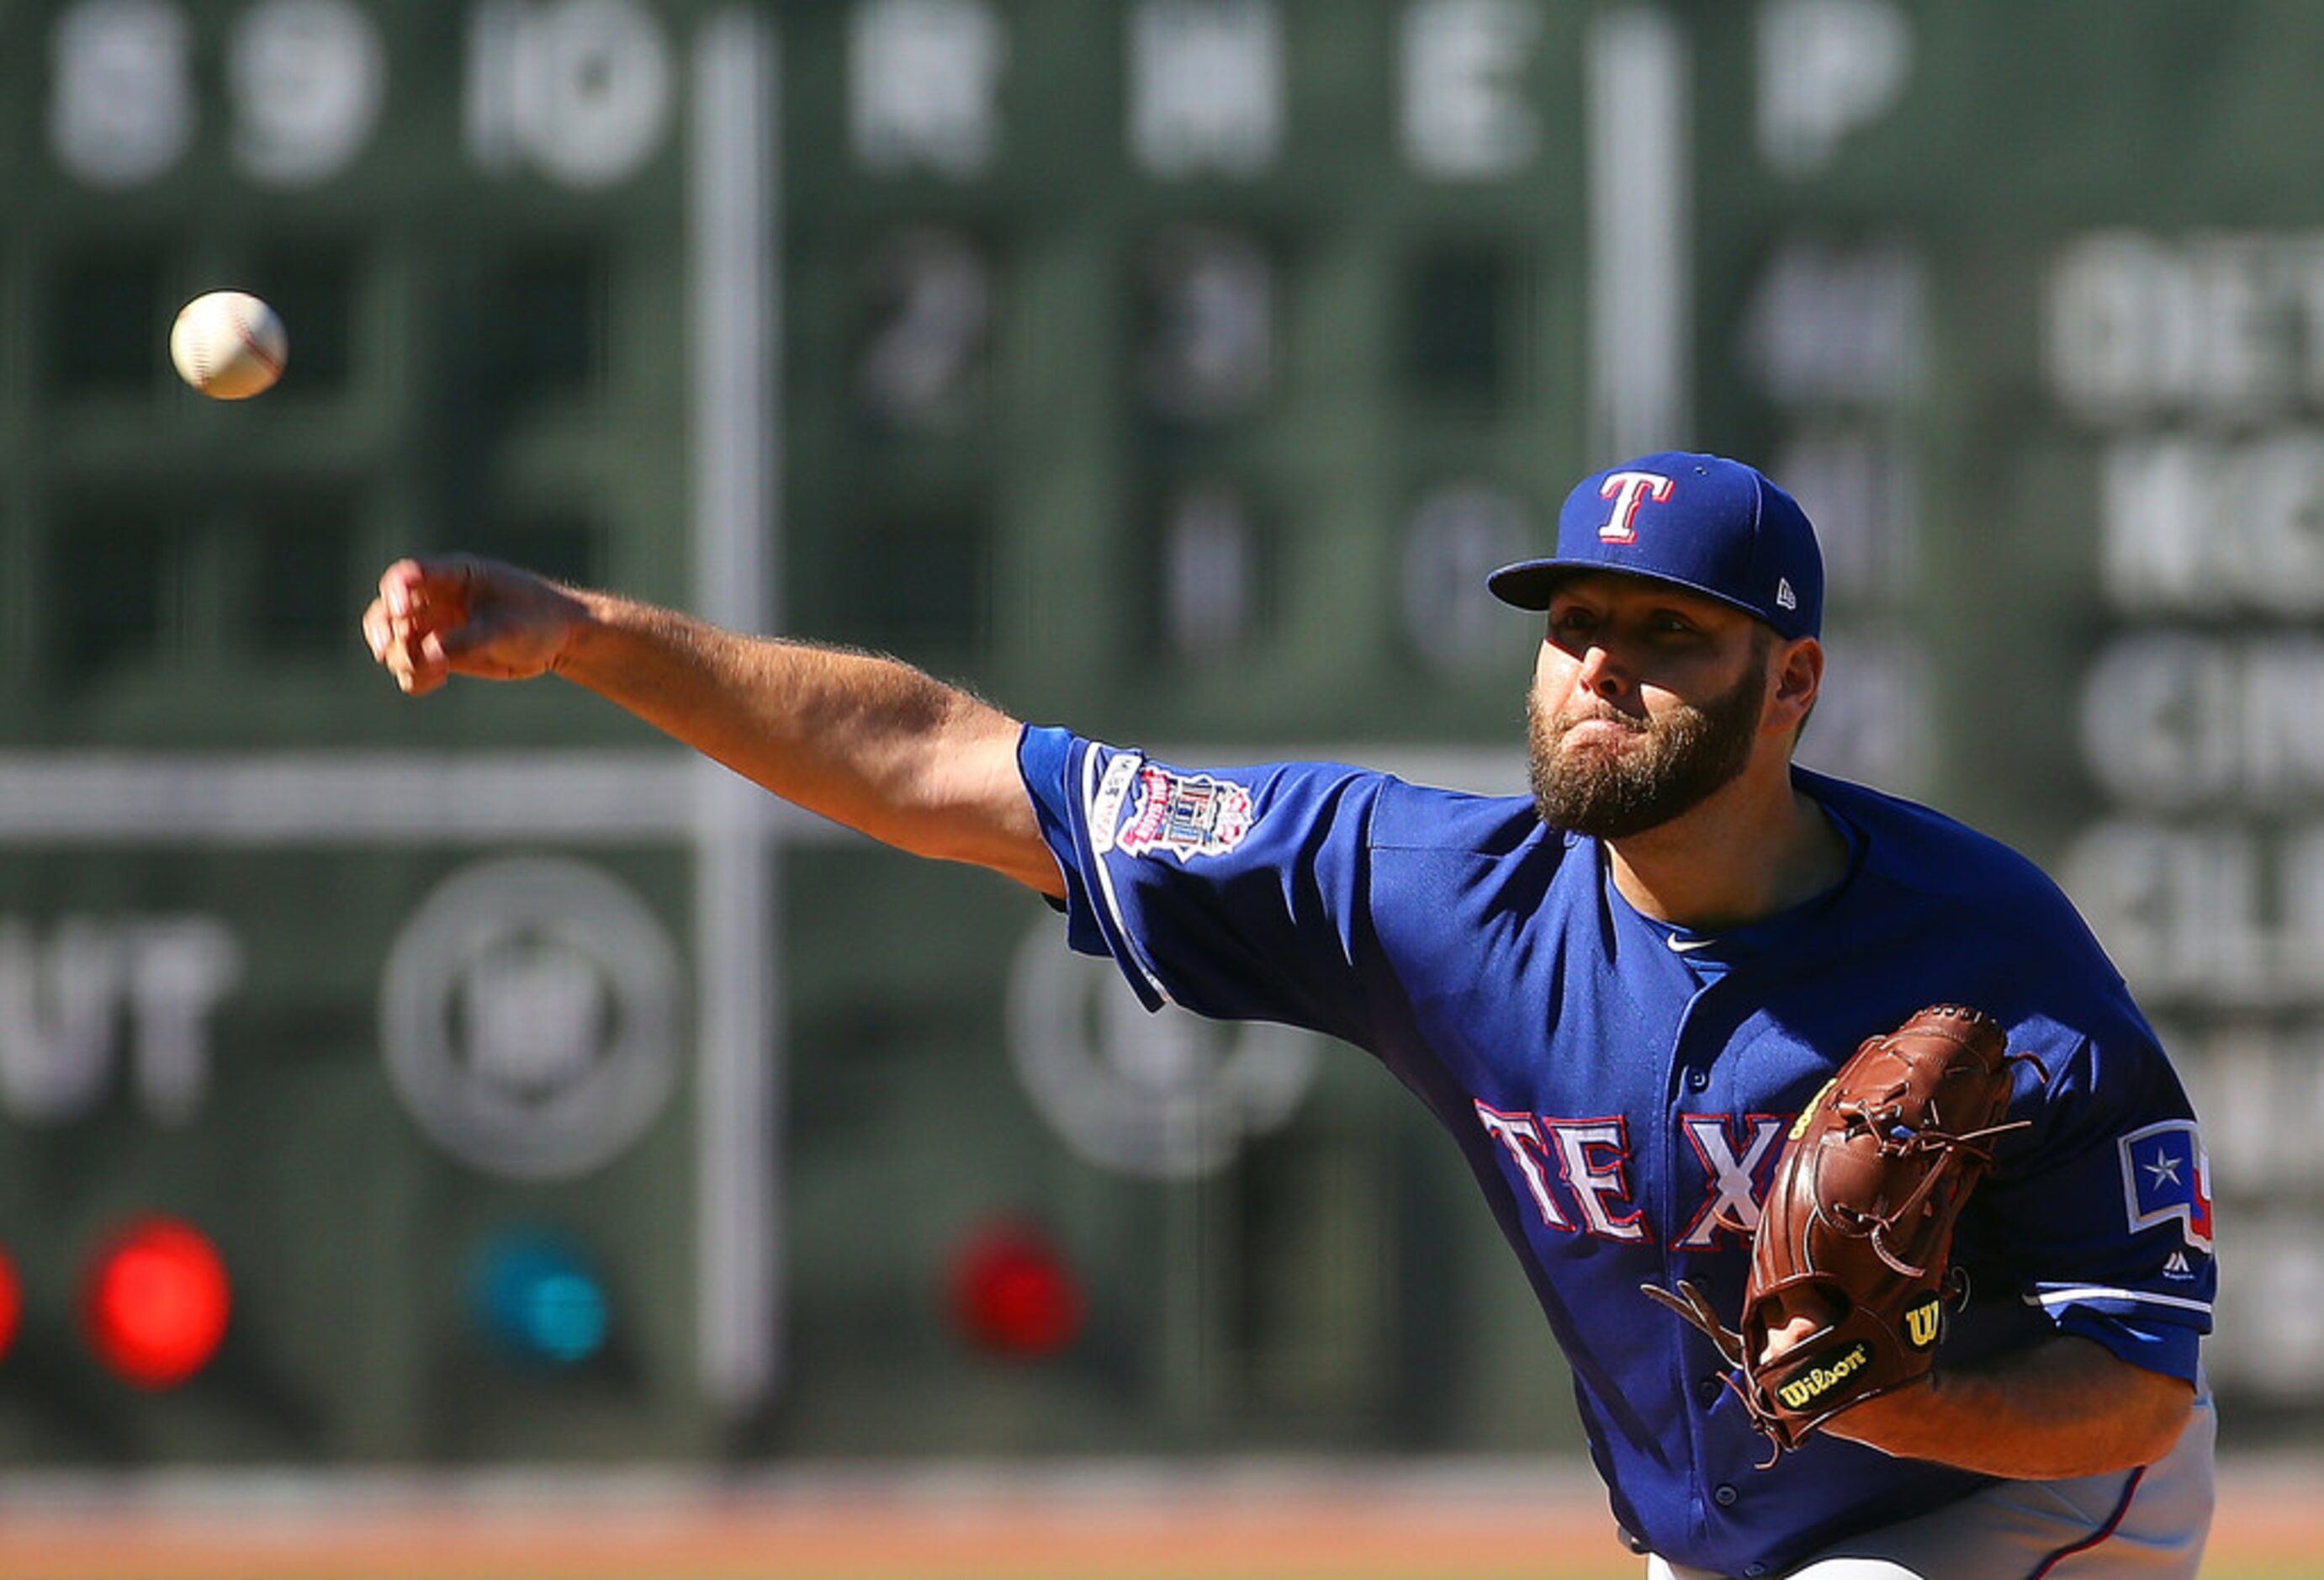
1628,491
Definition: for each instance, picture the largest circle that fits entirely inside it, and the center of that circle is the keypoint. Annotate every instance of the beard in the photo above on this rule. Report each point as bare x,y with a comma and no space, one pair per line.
1688,756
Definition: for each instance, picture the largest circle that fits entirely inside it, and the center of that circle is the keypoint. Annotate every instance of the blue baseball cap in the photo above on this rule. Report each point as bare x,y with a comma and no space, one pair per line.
1703,522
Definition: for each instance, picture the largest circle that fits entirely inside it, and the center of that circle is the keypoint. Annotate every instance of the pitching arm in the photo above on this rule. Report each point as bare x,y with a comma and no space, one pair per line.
2064,1407
865,741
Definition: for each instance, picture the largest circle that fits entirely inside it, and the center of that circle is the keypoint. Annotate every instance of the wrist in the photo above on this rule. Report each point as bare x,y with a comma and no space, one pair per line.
1901,1421
585,623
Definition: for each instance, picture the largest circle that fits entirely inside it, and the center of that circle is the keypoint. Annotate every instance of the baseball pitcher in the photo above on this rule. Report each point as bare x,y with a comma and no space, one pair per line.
1871,1217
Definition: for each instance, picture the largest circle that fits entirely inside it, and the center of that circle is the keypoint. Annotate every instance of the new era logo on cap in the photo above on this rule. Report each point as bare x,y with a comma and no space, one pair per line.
1705,522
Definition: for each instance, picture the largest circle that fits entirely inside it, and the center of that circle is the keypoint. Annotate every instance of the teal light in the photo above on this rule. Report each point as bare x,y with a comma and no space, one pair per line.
538,1295
564,1316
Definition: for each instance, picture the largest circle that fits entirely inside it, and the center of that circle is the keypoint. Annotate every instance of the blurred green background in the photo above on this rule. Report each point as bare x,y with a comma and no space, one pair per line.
1173,369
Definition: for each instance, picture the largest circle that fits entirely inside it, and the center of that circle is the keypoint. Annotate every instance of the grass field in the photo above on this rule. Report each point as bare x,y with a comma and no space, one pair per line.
1496,1523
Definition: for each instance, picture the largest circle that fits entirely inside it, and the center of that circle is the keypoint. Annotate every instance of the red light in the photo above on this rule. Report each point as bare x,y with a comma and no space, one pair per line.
1012,1294
157,1303
11,1303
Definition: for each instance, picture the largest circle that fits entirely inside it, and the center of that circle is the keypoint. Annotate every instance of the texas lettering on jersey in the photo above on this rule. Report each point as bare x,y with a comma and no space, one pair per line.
1578,1172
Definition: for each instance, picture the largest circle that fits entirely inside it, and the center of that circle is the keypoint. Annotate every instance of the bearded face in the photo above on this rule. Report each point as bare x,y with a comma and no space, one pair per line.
1626,775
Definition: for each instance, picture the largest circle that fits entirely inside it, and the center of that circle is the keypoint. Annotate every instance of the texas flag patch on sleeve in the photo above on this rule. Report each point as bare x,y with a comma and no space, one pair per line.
2166,1175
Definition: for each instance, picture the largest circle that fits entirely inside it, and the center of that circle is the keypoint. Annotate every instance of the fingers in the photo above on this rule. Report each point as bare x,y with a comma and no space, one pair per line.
1798,1315
460,616
1793,1332
414,659
419,588
405,625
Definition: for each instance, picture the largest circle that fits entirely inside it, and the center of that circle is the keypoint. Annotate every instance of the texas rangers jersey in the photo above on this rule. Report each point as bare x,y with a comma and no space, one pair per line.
1620,1088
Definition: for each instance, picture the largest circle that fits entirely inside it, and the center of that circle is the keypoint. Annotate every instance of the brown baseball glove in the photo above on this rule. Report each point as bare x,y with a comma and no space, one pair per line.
1856,1229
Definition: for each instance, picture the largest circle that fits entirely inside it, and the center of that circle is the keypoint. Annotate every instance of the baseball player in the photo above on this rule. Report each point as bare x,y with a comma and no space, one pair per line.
1614,995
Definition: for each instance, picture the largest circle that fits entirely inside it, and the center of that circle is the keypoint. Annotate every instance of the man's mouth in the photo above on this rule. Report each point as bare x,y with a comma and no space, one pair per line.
1600,726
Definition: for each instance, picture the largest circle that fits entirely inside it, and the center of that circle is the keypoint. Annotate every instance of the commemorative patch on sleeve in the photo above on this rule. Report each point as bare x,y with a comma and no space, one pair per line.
1185,815
2167,1176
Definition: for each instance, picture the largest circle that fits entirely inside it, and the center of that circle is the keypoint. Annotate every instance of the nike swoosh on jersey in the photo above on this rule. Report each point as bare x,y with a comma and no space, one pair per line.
1679,945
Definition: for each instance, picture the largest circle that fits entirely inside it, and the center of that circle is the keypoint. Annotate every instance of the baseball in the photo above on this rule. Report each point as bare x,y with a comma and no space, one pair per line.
229,345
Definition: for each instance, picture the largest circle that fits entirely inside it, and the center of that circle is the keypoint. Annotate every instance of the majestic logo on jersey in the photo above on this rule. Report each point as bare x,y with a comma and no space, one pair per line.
1186,817
1923,1323
1813,1383
1628,491
2167,1175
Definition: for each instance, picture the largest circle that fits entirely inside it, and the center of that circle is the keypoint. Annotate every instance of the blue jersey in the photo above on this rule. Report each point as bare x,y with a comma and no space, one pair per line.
1620,1088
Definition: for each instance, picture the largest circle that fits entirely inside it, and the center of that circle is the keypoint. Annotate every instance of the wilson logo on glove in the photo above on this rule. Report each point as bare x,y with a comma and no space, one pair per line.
1818,1381
1925,1322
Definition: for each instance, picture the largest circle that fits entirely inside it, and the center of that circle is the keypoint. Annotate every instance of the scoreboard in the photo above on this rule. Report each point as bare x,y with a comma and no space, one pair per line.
1174,369
402,1008
2042,314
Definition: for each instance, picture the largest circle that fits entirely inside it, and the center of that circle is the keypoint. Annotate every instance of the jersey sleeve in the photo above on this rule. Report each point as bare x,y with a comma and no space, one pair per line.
2107,1201
1238,893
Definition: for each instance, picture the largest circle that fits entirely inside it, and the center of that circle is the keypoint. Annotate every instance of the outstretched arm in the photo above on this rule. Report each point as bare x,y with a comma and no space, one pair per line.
864,740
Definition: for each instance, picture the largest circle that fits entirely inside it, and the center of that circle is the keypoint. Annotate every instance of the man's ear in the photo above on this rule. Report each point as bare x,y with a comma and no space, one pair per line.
1799,678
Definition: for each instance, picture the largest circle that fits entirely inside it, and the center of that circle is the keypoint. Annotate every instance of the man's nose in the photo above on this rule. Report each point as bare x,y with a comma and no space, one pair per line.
1602,674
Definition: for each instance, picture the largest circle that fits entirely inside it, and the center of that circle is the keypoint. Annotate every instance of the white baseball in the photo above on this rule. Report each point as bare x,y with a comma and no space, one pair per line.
229,345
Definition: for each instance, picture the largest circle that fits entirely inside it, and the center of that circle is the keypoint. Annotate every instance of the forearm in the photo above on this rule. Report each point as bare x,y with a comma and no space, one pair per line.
865,741
2062,1408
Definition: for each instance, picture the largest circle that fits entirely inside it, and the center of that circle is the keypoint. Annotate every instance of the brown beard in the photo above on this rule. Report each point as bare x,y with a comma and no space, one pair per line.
1691,753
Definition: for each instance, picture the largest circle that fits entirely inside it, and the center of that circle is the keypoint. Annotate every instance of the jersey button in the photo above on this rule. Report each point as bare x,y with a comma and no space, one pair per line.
1724,1495
1709,1389
1697,1079
1755,1570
